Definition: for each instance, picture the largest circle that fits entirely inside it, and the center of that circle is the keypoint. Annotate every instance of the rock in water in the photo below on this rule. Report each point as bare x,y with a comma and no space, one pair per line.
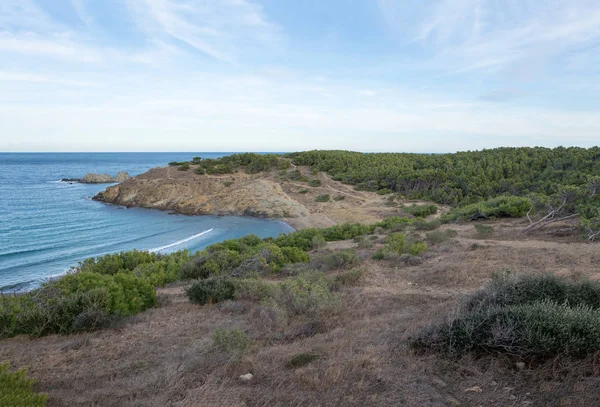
96,179
100,178
122,176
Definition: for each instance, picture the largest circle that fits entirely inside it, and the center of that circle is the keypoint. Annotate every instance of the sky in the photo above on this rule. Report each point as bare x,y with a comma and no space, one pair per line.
290,75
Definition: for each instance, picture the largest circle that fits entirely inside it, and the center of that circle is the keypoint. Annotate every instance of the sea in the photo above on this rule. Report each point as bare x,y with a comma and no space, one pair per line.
48,226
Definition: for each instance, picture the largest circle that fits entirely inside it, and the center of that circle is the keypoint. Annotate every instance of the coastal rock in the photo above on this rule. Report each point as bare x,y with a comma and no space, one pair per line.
100,178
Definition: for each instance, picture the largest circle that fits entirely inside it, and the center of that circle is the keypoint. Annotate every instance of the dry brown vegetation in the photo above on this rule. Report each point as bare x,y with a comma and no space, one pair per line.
166,356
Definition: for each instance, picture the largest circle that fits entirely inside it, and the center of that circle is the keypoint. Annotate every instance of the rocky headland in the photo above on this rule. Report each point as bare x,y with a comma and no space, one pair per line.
266,194
100,178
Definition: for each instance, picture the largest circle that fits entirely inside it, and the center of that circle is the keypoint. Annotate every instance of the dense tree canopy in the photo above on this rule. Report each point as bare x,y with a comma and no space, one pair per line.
462,178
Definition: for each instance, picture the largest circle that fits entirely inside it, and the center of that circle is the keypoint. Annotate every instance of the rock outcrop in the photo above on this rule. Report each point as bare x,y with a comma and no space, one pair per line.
100,178
192,194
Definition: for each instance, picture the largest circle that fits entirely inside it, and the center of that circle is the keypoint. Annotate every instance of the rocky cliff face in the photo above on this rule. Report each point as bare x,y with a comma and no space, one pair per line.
193,194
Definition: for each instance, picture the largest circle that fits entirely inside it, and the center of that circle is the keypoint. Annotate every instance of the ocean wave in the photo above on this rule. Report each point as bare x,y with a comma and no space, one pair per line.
177,243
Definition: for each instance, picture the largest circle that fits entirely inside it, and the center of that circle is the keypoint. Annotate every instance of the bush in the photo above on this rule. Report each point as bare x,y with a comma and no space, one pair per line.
537,317
384,191
216,262
423,225
342,259
304,191
318,242
365,244
484,230
233,342
16,389
302,359
338,198
314,183
254,290
499,207
451,233
437,237
418,248
211,290
184,167
396,242
349,277
306,294
378,255
421,211
323,198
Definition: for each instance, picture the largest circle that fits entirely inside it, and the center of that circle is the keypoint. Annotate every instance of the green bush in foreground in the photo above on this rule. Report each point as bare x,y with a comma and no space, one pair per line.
323,198
78,301
211,290
537,317
16,389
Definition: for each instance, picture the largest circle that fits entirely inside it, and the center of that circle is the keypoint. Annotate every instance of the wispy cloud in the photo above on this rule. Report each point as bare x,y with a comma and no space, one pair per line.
221,29
497,35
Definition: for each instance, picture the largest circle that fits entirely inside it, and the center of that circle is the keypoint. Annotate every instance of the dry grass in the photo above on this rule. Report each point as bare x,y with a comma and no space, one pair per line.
166,356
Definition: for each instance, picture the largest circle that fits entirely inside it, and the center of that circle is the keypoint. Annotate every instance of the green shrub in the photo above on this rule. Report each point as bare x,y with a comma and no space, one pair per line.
499,207
16,389
384,191
537,317
233,342
211,290
418,248
302,359
184,167
378,255
323,198
484,230
421,211
390,222
338,198
342,259
307,294
396,242
304,191
314,183
318,242
129,294
254,289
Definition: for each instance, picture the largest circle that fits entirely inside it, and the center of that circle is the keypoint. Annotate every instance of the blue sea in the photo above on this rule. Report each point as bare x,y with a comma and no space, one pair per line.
47,226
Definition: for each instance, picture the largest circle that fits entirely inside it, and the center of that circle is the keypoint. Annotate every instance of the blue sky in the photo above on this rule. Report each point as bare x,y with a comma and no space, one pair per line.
285,75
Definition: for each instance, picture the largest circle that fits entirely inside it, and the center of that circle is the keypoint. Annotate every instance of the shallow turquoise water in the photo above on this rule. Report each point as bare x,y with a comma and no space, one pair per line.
48,226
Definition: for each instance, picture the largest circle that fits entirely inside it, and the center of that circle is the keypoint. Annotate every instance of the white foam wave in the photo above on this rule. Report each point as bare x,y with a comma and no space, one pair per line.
177,243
